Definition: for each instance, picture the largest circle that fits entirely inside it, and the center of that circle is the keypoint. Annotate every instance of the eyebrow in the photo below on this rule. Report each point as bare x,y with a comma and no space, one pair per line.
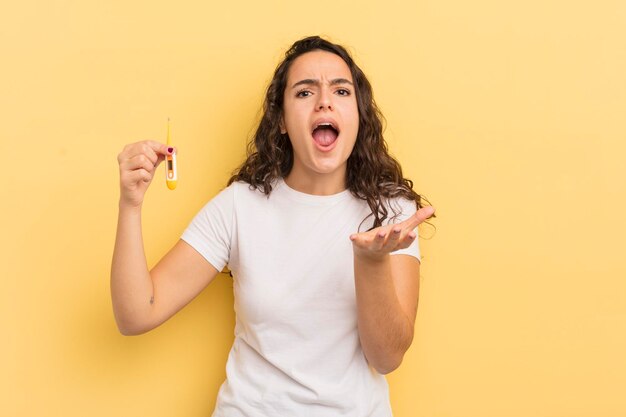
310,81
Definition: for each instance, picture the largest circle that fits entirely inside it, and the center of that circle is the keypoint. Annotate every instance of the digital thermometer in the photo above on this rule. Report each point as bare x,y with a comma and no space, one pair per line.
171,176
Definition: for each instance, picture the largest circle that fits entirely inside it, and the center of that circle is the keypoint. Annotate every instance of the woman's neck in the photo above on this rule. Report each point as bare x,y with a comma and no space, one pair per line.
317,184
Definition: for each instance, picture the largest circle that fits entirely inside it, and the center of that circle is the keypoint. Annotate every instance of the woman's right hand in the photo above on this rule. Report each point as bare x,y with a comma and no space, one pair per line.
138,163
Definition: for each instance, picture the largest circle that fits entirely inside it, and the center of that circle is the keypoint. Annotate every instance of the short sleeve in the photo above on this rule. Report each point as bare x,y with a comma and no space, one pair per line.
406,208
210,231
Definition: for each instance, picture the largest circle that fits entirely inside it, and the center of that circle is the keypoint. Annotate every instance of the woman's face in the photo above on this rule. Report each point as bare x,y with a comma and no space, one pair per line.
321,116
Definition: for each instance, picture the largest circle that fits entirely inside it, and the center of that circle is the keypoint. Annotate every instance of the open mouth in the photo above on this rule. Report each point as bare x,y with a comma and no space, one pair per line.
325,134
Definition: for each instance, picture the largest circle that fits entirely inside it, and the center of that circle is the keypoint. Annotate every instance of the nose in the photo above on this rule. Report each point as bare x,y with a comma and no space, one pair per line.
324,101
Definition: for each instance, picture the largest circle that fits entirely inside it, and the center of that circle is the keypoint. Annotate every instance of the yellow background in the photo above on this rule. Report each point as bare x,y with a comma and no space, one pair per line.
509,117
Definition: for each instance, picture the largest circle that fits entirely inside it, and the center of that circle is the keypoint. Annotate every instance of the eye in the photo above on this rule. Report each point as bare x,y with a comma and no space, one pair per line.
343,92
303,93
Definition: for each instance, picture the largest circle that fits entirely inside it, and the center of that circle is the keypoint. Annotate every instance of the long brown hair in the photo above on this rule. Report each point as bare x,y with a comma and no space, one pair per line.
372,175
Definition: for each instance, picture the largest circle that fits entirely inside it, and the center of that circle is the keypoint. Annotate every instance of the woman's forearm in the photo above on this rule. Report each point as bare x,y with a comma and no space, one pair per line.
131,285
384,329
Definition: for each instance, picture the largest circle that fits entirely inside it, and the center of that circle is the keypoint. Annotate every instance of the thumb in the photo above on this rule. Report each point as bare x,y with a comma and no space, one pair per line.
419,217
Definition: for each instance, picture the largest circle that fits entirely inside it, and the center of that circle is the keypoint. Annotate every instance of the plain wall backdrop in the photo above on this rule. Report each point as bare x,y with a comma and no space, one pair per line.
508,116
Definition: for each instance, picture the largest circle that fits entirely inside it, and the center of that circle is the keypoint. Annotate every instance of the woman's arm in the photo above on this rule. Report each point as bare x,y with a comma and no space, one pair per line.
387,289
387,293
144,299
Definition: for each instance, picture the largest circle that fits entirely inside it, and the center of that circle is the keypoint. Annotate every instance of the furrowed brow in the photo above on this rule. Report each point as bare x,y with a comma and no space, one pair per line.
310,81
340,81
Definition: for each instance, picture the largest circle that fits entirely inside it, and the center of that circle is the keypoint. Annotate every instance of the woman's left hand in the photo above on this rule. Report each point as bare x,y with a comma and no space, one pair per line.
375,244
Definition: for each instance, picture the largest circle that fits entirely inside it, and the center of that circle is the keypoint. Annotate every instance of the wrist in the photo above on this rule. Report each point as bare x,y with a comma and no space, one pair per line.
373,259
128,208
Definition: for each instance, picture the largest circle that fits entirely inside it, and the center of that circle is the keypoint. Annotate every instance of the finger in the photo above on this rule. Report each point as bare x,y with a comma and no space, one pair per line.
394,237
152,155
379,239
160,148
419,217
138,176
140,161
136,149
405,242
150,148
372,240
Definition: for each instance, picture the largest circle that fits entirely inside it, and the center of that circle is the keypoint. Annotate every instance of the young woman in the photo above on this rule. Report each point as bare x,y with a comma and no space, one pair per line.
318,227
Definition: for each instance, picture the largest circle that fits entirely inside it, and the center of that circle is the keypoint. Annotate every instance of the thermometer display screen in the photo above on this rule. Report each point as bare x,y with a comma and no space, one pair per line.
169,165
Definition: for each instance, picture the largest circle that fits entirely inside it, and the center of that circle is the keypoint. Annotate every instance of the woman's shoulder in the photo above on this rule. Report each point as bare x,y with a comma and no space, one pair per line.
235,194
244,186
242,191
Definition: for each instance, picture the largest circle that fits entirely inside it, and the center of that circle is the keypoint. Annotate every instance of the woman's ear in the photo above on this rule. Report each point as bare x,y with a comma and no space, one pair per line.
283,130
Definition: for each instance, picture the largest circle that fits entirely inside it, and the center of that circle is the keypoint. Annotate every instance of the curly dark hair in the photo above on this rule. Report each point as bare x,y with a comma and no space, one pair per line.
372,175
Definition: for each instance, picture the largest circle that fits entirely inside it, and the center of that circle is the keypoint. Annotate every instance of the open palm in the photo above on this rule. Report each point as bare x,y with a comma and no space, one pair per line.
378,242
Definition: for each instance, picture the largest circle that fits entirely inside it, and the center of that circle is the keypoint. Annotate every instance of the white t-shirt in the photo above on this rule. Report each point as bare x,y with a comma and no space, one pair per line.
296,350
